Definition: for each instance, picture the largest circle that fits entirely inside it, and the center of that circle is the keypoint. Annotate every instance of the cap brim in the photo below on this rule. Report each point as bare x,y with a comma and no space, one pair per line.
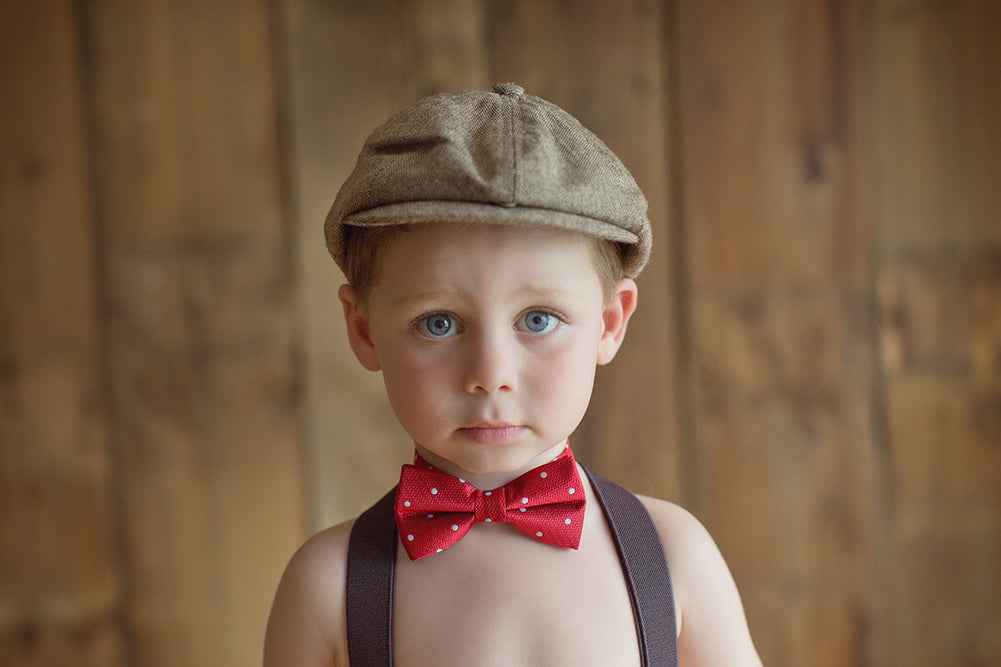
519,216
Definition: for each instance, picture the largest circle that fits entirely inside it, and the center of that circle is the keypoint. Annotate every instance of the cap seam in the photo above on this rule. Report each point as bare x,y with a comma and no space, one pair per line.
514,151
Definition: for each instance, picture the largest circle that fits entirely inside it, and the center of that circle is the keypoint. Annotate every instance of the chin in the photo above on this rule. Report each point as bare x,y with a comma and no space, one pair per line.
507,459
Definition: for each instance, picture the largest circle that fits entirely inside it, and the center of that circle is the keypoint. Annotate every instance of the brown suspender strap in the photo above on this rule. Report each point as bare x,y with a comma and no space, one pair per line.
371,577
372,571
645,566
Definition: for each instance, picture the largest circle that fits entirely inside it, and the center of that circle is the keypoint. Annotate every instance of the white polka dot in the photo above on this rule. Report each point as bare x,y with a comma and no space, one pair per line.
410,538
572,490
455,527
539,534
406,503
489,520
488,493
462,480
566,521
543,474
522,509
430,516
438,551
434,492
524,501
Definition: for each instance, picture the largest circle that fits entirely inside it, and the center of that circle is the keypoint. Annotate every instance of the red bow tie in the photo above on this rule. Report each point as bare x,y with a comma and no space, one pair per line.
434,509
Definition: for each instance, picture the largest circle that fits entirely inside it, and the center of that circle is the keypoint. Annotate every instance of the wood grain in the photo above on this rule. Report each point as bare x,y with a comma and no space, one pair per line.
189,196
778,264
937,146
60,587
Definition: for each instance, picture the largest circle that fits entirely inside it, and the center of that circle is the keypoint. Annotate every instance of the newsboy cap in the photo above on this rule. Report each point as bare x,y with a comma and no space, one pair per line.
495,157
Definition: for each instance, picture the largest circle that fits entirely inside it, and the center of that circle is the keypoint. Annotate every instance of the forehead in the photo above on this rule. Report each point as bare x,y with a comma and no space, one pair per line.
474,254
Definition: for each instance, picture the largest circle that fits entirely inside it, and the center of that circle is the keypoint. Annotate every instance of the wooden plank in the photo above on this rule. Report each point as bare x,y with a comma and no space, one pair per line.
60,591
948,565
770,115
774,379
937,145
605,64
944,425
937,151
450,43
944,436
823,623
777,268
188,188
940,314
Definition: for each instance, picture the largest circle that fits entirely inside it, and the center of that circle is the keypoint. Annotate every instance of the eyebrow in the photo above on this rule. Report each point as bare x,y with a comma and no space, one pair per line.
528,292
547,293
414,300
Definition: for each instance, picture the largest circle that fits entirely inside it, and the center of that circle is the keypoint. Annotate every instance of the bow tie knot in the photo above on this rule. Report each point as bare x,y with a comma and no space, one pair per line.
490,506
434,510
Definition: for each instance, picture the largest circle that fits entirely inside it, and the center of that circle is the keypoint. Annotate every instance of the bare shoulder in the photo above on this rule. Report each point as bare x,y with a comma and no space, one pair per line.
709,606
307,624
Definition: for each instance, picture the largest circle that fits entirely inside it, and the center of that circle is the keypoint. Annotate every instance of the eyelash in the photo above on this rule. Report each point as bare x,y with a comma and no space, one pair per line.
545,311
420,324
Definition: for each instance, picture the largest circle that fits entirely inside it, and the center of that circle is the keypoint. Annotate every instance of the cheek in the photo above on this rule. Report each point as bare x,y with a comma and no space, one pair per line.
413,385
568,378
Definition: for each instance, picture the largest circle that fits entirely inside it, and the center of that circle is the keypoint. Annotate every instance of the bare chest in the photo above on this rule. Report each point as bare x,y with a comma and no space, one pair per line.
497,598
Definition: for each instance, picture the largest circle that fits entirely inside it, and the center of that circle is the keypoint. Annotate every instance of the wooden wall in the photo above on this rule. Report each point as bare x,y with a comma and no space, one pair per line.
815,369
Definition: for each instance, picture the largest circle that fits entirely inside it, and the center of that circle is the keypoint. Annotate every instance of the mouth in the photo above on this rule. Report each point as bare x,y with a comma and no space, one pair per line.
493,433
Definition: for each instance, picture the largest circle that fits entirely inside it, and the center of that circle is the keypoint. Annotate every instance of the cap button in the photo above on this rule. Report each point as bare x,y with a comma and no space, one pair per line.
512,89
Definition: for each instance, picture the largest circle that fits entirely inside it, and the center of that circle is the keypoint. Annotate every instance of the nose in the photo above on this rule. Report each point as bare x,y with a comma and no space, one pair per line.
490,364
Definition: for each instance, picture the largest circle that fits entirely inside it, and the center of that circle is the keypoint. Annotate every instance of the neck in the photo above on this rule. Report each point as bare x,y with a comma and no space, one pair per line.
488,481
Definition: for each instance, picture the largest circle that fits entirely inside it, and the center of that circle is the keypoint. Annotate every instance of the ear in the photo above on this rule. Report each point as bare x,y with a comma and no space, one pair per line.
616,316
358,328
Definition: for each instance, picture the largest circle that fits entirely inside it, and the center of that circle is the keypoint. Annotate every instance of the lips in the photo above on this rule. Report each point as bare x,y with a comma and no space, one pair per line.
493,433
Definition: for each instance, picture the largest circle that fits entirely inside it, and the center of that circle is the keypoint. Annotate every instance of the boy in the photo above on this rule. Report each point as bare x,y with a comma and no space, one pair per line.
490,244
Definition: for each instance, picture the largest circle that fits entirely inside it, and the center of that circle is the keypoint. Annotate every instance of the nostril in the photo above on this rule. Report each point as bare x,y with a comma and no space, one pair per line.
488,387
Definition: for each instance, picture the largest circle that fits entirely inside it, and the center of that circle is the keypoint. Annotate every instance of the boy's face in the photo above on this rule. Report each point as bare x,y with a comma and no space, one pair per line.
487,338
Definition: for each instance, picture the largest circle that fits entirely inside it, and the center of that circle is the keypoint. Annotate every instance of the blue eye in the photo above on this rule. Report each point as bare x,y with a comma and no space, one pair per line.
538,322
439,325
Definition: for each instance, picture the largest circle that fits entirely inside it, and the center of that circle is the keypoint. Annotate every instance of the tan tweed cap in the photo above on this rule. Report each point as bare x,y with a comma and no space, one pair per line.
496,157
